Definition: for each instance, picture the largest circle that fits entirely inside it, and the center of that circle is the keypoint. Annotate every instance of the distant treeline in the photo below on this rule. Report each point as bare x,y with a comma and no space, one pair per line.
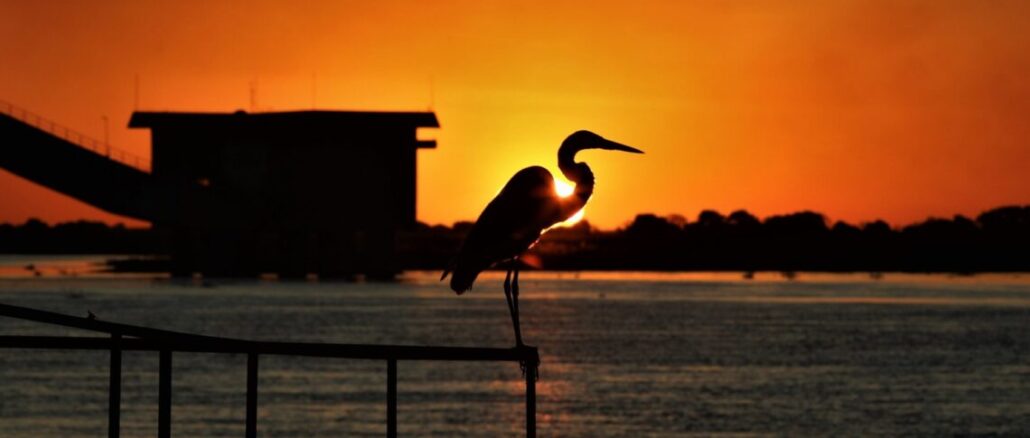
79,237
996,240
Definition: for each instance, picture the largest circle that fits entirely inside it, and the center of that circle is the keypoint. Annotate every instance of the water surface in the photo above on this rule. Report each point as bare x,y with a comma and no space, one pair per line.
624,354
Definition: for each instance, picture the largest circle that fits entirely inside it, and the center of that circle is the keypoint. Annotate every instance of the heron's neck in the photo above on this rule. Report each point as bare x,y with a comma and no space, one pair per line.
578,173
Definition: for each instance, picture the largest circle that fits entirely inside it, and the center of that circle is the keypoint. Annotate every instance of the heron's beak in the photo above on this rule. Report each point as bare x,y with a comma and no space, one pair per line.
613,146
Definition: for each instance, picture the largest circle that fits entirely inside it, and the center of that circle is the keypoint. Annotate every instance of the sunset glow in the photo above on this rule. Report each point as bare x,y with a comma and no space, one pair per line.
574,219
860,110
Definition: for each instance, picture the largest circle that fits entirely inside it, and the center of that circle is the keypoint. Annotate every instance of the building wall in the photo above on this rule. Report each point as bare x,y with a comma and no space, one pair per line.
257,199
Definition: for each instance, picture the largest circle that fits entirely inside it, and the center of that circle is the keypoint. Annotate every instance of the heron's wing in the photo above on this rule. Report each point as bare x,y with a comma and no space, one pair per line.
509,225
514,219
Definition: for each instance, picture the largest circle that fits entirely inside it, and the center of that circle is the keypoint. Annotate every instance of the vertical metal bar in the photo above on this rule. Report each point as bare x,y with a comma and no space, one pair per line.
252,384
391,398
164,408
114,388
531,400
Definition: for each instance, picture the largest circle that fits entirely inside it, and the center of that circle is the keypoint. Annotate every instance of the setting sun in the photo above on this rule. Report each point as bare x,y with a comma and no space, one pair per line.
563,188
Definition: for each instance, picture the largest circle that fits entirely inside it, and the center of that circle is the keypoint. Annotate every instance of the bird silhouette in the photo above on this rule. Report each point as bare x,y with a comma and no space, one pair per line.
525,208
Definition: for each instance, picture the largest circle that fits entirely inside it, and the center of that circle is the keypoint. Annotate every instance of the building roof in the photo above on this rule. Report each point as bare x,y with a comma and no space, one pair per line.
307,119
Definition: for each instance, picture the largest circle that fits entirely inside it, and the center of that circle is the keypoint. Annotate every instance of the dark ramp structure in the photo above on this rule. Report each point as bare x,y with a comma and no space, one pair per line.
61,159
240,194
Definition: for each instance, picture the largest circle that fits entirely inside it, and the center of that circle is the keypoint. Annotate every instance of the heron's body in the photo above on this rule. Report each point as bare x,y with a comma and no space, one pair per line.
526,207
513,221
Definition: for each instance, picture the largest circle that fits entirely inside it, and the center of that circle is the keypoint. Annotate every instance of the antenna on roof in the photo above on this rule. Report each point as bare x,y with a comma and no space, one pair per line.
432,93
314,89
253,95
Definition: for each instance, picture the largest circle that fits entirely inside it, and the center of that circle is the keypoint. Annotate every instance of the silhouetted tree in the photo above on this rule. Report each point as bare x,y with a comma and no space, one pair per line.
1010,219
678,220
710,218
651,242
463,226
1006,235
741,219
651,227
877,228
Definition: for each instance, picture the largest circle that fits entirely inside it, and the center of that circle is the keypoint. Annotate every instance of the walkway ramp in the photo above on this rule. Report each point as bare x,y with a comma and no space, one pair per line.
61,159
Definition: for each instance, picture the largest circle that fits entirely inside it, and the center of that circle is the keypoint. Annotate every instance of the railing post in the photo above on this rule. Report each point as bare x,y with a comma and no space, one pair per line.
164,395
114,396
252,384
531,400
391,398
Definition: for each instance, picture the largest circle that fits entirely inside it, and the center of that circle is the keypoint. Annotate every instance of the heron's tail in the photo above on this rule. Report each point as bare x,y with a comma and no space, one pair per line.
463,271
462,279
463,276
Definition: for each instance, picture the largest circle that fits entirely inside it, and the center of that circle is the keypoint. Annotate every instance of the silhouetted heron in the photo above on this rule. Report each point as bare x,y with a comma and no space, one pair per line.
516,218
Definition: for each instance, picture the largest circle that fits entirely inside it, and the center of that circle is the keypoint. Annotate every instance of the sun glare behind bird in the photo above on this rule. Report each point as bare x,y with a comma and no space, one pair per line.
563,188
532,201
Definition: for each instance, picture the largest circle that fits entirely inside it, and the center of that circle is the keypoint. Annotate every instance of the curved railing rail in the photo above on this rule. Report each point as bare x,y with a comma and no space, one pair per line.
73,136
124,337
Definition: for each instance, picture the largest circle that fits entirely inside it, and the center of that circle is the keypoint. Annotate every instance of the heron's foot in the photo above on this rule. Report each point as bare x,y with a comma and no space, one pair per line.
523,366
526,365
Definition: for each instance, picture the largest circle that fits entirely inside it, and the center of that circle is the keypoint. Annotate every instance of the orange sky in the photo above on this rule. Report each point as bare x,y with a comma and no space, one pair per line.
860,110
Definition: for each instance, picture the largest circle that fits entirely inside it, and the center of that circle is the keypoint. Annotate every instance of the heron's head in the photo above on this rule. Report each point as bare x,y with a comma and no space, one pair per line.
581,140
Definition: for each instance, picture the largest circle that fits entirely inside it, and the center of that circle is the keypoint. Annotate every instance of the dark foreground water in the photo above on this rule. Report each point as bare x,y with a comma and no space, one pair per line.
623,355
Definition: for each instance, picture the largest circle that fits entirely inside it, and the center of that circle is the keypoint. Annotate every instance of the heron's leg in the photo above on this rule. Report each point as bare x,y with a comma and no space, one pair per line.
507,290
511,306
518,330
515,302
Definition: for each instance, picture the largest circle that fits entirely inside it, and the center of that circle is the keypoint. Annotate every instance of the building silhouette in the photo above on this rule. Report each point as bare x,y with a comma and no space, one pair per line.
240,194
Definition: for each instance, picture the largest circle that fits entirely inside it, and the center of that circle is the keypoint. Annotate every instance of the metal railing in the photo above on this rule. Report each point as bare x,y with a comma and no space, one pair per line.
74,137
124,337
